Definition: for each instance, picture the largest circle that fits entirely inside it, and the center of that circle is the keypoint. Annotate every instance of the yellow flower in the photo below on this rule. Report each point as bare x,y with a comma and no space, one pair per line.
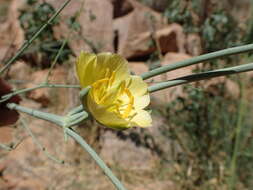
116,98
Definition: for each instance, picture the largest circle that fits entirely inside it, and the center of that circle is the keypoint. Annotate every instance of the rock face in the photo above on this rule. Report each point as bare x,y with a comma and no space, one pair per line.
131,159
20,71
130,30
45,96
232,88
134,32
11,34
94,30
138,67
167,95
193,45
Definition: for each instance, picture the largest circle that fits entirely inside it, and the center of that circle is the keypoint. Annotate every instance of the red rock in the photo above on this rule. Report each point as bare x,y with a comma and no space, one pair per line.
31,184
7,117
138,67
46,95
20,71
6,135
169,94
232,88
96,29
133,30
193,44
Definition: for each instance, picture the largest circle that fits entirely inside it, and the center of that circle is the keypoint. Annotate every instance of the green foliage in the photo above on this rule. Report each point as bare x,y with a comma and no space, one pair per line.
4,11
202,124
75,26
46,46
217,27
219,31
196,118
178,12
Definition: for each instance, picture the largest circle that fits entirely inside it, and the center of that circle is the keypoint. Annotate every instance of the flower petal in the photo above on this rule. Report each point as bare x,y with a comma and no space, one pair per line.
137,86
91,67
141,102
142,119
105,117
113,62
83,67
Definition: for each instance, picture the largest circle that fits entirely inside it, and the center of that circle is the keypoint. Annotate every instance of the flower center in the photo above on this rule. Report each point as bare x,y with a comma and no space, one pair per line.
116,97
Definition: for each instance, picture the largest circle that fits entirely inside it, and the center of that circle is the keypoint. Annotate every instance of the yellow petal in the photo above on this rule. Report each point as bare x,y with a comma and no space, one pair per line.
141,102
84,62
137,86
142,119
115,63
105,117
91,67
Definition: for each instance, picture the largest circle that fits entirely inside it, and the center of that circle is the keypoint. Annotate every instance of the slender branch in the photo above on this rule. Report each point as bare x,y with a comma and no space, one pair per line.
97,159
60,121
201,76
11,146
238,129
198,59
84,92
75,110
36,141
6,147
55,60
29,42
43,85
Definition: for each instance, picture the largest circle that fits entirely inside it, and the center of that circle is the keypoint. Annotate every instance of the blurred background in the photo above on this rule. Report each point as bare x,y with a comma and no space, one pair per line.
202,134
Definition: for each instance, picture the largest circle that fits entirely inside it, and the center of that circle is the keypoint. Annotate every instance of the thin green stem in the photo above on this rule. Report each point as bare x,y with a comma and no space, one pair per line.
29,42
36,141
232,178
78,120
97,159
82,95
84,92
5,147
76,110
58,120
201,76
198,59
55,60
61,122
21,91
11,146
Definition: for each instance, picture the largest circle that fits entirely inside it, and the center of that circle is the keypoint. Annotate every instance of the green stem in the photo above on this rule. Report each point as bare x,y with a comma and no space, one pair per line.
97,159
232,179
76,110
21,91
198,59
58,120
6,147
84,92
37,142
55,60
29,42
201,76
